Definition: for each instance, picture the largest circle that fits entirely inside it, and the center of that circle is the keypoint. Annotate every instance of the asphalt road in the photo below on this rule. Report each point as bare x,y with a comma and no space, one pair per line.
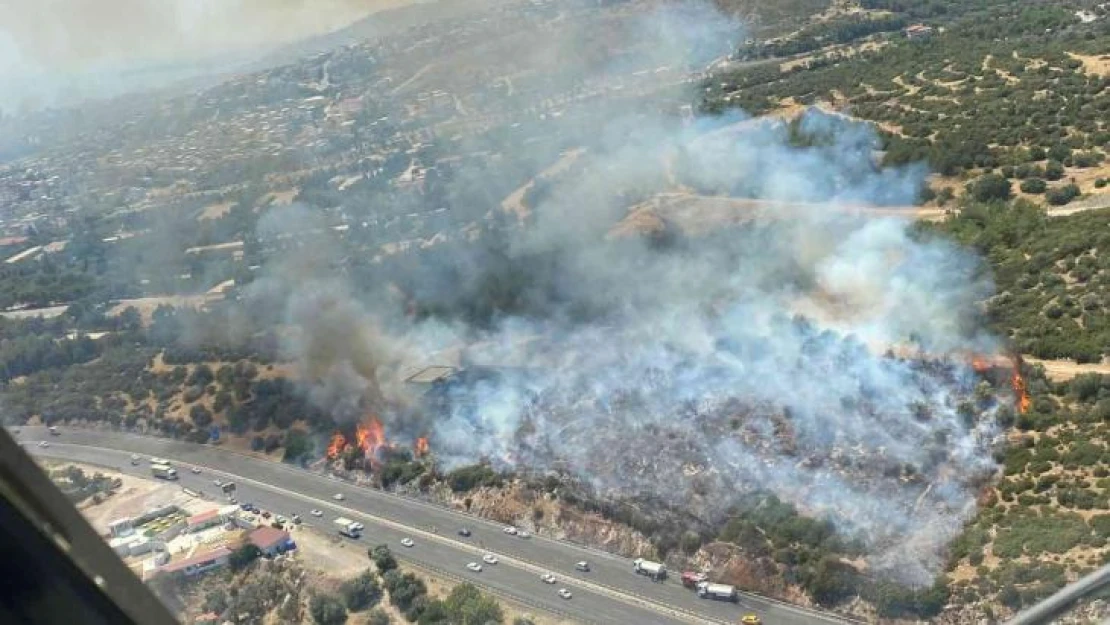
609,593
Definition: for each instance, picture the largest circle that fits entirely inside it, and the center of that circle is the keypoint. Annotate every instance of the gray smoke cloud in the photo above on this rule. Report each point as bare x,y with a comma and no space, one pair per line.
718,365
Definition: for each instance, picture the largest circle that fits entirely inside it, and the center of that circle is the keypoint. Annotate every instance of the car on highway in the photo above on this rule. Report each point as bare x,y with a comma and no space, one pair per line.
315,512
751,619
474,566
582,566
338,497
233,501
281,519
523,534
245,507
135,459
489,558
296,518
510,530
564,593
44,444
195,470
548,578
217,483
407,542
464,532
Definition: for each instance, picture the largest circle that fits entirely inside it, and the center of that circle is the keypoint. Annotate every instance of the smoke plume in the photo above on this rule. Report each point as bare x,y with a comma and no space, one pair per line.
692,369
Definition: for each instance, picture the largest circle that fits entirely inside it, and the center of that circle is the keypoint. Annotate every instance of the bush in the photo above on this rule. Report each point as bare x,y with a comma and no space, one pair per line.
1053,170
831,581
327,610
465,479
243,556
383,558
1062,195
361,592
403,589
1033,185
378,617
990,187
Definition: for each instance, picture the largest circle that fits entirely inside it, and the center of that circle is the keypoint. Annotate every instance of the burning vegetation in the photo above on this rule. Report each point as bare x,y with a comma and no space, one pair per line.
368,441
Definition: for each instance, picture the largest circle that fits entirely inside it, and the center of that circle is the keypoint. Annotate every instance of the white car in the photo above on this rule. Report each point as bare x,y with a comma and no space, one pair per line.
564,593
195,470
474,566
548,578
489,558
358,526
582,566
338,497
510,530
281,519
316,513
523,534
407,542
44,444
218,483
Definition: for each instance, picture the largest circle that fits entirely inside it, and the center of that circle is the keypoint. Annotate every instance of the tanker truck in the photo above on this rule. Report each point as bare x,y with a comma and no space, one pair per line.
654,570
720,592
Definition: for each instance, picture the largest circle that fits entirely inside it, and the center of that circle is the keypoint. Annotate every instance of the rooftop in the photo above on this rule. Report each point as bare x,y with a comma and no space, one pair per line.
200,558
203,517
267,537
430,375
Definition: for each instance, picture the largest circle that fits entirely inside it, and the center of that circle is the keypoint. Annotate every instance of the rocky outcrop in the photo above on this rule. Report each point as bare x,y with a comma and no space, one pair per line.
542,514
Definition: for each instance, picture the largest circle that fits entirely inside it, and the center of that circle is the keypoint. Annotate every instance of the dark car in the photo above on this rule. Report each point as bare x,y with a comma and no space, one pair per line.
464,532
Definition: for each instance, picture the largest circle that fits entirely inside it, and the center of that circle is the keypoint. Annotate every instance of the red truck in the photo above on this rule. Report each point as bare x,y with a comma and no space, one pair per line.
691,579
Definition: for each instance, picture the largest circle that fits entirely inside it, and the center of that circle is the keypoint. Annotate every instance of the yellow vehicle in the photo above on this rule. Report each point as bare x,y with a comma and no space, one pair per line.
751,619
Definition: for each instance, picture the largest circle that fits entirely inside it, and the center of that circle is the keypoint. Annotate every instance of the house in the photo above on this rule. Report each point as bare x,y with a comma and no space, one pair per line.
199,563
918,31
271,541
203,520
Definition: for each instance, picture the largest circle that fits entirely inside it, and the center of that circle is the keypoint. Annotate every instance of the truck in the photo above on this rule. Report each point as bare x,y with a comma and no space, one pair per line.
691,579
164,471
720,592
349,528
654,570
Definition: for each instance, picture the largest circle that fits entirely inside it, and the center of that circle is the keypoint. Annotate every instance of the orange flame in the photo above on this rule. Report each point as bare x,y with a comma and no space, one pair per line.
421,447
335,447
370,436
1020,394
979,364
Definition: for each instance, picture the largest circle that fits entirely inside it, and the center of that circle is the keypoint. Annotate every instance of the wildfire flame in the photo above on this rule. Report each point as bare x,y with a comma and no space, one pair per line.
370,436
979,364
335,447
1020,394
421,447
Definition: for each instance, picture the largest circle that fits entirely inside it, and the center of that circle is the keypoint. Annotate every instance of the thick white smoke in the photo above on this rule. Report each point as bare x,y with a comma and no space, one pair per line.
746,359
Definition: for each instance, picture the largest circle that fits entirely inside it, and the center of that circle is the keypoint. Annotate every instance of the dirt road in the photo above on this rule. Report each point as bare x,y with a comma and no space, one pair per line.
1060,370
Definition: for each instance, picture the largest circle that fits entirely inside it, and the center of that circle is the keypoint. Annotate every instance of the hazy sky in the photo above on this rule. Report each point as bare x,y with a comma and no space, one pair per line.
76,41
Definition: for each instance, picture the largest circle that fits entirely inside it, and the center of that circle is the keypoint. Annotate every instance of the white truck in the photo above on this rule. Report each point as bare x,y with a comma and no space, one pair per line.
654,570
349,528
720,592
162,461
164,471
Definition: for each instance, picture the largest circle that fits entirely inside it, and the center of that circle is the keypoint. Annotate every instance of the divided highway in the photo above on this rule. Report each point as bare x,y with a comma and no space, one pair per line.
609,593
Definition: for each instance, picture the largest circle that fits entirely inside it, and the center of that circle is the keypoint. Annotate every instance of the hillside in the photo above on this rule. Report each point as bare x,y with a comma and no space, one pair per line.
572,203
1014,87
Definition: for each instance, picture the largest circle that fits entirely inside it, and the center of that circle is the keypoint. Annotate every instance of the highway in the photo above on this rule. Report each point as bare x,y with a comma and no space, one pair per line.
609,593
